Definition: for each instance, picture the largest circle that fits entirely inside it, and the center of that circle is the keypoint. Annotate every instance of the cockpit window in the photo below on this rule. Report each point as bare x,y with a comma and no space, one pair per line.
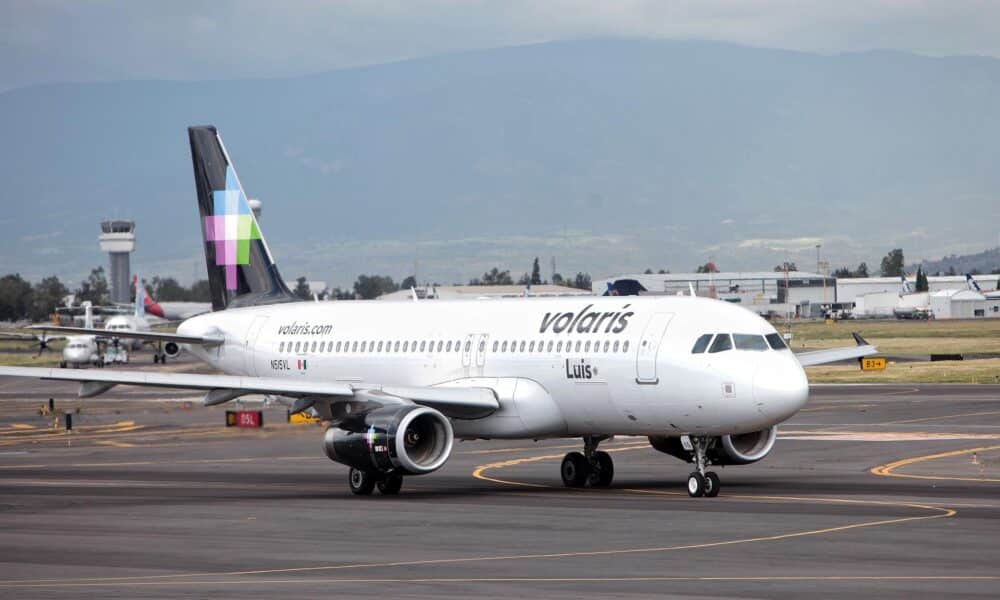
775,341
747,341
701,344
721,343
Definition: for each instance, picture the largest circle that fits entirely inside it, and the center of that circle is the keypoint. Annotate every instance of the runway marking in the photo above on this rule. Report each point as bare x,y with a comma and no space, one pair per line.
115,444
972,414
466,580
888,470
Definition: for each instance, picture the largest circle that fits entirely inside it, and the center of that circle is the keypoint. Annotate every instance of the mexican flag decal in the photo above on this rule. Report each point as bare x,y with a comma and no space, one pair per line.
302,364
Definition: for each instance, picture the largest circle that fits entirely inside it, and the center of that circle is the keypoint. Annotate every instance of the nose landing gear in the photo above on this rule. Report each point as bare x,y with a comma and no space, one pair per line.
702,482
592,468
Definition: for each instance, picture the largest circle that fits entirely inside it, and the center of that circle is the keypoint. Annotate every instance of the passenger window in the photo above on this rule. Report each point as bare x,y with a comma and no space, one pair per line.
578,343
448,348
701,344
607,344
423,345
395,347
522,346
616,346
531,346
721,343
441,345
354,347
406,346
625,346
559,346
586,347
281,347
297,346
458,345
468,346
746,341
504,347
482,345
774,340
363,346
550,346
313,348
380,346
496,345
338,346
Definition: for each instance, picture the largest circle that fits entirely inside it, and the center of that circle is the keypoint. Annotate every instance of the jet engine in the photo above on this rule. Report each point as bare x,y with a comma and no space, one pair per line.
741,449
171,349
408,440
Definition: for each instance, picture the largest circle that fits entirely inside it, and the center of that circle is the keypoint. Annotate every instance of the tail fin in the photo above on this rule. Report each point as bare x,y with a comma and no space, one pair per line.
906,284
88,315
241,271
139,308
972,283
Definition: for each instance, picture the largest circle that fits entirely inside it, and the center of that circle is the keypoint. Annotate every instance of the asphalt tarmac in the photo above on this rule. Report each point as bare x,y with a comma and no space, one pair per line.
889,492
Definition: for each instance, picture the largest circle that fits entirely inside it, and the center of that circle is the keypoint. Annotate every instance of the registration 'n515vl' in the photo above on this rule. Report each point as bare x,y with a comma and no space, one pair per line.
706,381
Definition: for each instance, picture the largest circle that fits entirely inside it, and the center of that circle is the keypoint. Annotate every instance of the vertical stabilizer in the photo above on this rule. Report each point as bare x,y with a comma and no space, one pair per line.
241,271
972,283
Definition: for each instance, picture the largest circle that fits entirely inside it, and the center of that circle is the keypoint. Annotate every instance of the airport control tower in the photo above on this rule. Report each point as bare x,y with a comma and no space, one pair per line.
118,240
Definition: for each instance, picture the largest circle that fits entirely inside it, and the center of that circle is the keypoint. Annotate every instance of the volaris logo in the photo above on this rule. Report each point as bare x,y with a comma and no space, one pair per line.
231,227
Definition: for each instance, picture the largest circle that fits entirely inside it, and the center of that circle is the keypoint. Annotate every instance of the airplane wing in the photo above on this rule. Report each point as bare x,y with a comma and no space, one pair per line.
468,403
150,336
820,357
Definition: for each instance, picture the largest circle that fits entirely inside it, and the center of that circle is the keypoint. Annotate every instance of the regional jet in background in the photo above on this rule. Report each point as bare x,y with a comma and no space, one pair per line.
79,350
973,285
708,382
123,333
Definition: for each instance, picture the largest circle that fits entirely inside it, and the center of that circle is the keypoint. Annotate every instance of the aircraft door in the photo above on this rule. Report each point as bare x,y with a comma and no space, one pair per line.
250,344
649,345
481,351
467,345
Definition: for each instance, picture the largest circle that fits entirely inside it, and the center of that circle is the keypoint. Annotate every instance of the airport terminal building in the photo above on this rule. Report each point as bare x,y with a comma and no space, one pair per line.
769,293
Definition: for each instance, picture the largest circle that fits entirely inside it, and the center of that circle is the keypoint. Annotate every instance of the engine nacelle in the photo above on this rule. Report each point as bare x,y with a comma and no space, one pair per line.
171,349
409,440
741,449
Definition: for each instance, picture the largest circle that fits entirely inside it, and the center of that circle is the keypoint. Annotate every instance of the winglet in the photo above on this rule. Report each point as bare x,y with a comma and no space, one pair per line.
860,340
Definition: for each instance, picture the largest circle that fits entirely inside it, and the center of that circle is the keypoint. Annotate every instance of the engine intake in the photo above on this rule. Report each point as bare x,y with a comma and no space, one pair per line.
171,349
410,440
740,449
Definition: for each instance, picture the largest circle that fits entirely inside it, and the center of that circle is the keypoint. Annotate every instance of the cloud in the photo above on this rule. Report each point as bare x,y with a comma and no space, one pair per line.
68,40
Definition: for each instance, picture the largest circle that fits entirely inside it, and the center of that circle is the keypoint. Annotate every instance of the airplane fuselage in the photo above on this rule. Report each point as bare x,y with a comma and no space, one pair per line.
560,366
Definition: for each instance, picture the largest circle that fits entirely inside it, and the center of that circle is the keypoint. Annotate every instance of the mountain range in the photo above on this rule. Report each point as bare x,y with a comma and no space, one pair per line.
605,155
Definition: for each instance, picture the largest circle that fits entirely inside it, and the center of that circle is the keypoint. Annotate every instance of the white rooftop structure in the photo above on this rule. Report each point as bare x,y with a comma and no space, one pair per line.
474,292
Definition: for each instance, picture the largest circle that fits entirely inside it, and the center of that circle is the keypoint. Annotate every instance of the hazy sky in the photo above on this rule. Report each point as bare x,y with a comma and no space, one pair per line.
77,40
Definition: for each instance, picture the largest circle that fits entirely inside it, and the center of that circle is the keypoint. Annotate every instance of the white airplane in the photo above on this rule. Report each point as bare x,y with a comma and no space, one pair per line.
118,333
133,322
707,381
973,285
79,349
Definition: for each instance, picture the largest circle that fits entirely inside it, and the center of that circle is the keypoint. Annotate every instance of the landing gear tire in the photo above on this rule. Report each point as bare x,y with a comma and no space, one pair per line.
604,470
574,470
156,359
62,364
391,485
712,485
362,483
696,485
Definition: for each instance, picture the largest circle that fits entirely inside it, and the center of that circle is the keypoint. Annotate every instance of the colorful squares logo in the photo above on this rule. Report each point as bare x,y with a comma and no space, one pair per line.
231,228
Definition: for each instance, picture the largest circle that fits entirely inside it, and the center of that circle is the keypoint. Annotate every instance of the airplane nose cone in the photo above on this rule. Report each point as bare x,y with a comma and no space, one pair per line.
780,388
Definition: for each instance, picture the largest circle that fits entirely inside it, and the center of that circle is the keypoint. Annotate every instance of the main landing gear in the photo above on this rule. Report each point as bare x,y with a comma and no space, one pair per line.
363,483
159,357
593,468
702,482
